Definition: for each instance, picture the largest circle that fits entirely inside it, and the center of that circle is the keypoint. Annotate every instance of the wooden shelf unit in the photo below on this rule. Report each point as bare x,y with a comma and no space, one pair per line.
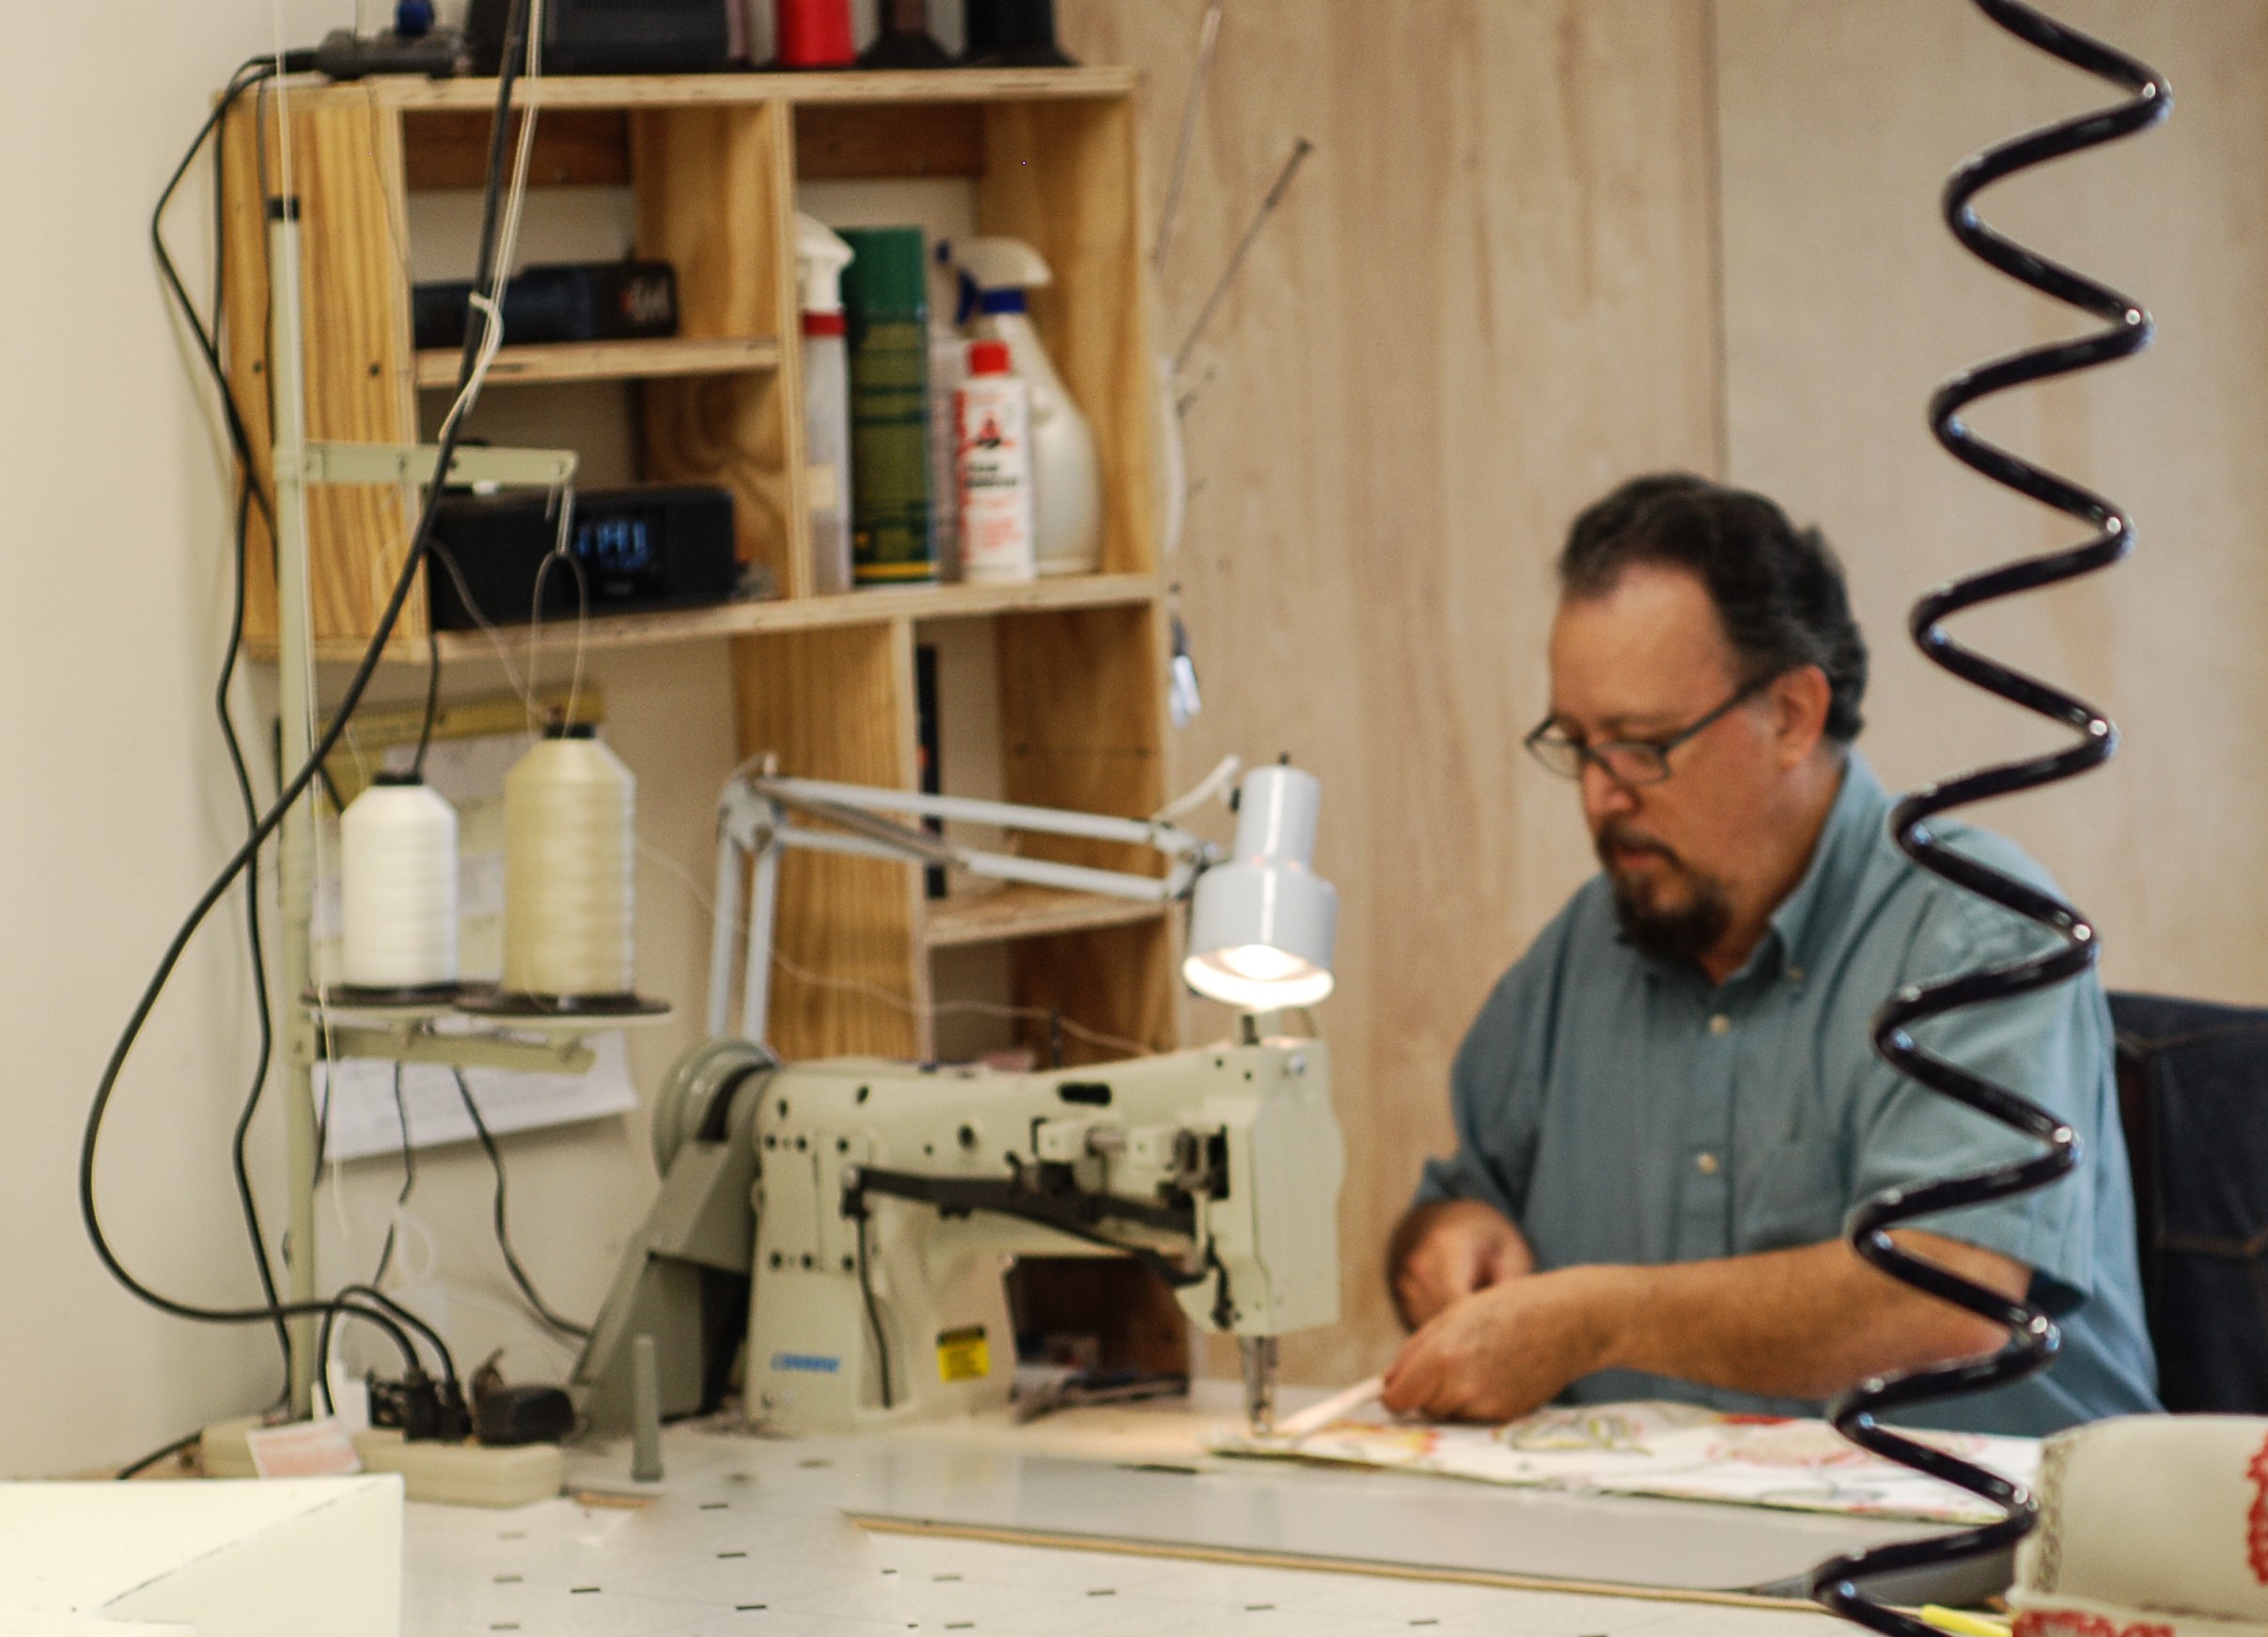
826,684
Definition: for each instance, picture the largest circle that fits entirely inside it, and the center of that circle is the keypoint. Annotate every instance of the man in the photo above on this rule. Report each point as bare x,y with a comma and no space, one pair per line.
1667,1108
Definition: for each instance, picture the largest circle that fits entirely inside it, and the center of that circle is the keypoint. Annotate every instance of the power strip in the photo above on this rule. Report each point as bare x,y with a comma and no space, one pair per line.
450,1475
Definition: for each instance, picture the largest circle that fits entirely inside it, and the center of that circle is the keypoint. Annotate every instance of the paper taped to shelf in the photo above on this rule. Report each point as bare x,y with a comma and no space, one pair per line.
365,1121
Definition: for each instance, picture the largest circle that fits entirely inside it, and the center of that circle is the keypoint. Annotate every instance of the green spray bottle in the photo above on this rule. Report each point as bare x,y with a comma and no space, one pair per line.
887,323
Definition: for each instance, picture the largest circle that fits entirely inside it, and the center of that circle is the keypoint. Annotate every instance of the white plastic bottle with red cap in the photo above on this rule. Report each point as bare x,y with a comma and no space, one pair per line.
993,425
820,255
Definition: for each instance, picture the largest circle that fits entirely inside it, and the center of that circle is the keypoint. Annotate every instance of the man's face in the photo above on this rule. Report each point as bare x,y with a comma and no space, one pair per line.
1645,661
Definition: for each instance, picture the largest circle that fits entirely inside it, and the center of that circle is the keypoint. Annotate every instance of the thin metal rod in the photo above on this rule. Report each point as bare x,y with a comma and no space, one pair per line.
724,922
1299,150
806,793
295,709
763,916
1209,35
1147,889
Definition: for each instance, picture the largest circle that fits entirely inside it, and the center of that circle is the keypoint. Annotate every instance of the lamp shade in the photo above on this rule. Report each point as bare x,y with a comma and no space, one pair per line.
1260,926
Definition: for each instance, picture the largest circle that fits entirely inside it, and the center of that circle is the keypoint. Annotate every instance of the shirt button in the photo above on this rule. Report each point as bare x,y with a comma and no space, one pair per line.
1795,974
1705,1163
1720,1024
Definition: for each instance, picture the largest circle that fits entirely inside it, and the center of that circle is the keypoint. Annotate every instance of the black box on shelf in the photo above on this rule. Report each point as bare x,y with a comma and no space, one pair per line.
649,546
612,37
598,300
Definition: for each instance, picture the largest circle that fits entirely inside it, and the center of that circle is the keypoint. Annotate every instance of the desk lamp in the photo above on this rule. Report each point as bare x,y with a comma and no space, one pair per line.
1261,924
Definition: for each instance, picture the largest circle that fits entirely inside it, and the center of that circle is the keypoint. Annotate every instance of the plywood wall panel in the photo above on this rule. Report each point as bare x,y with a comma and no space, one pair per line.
1488,296
848,983
1846,303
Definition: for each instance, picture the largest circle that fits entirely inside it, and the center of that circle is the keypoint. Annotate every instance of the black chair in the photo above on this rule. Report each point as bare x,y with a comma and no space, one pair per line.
2193,1096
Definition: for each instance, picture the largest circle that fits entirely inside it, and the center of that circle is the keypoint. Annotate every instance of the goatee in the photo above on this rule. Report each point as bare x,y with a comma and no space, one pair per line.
1683,934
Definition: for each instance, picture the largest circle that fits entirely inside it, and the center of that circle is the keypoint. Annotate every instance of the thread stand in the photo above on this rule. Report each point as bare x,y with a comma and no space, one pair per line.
415,1041
299,462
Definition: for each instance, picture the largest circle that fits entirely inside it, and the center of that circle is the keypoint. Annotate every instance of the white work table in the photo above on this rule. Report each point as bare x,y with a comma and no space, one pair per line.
747,1536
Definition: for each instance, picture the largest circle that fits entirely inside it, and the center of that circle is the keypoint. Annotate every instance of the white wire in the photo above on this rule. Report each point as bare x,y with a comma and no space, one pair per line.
491,304
1224,774
525,693
563,501
564,1353
409,1225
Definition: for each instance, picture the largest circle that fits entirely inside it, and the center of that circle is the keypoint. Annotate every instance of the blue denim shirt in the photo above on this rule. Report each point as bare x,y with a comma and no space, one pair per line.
1622,1110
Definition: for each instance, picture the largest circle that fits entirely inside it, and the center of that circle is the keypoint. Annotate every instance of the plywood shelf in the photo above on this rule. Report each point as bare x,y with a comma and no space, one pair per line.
1019,911
912,603
411,95
606,361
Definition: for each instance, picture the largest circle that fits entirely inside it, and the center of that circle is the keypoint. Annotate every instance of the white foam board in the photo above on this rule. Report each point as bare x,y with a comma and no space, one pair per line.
288,1558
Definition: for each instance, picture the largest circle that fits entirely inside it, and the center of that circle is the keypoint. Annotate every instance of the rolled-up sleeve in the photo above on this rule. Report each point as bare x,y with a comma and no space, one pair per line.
2050,1047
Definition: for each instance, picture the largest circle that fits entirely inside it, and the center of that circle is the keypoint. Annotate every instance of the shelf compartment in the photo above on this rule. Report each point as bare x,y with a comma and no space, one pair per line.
607,361
1022,911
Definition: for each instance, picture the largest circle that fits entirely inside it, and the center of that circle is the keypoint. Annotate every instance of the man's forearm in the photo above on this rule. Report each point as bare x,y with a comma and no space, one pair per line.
1800,1323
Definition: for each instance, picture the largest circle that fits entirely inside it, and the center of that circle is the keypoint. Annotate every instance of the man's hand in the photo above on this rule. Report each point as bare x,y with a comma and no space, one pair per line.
1801,1323
1447,1250
1505,1350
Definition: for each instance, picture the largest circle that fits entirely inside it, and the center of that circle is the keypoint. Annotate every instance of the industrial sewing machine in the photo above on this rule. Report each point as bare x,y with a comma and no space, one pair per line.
855,1218
875,1207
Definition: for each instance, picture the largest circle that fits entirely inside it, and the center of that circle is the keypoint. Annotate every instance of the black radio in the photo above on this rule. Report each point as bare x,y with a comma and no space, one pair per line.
654,546
600,301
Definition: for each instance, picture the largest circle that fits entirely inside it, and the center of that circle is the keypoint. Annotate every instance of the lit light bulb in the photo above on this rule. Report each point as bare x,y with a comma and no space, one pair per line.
1260,962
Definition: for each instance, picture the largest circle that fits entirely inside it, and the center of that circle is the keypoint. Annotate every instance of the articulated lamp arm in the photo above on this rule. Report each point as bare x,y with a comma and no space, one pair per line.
753,820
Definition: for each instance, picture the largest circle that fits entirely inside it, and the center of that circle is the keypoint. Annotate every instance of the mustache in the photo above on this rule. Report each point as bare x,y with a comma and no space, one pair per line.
1615,834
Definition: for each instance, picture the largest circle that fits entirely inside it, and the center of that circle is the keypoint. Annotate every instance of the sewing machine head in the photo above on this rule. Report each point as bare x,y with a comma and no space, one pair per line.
888,1199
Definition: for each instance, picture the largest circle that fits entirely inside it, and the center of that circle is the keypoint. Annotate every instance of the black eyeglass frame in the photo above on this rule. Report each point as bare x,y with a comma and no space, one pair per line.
1540,742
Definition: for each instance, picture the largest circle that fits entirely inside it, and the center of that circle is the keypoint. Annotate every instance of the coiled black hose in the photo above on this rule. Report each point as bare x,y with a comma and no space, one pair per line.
2033,1338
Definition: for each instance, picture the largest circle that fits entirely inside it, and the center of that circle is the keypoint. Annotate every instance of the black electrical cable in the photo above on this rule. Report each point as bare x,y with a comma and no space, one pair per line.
476,327
256,71
504,1236
343,1306
2033,1338
134,1468
409,1181
248,494
865,1292
378,1297
433,698
296,786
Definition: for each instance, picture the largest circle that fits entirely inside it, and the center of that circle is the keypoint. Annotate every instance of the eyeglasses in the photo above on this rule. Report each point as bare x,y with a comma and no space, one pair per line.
1627,761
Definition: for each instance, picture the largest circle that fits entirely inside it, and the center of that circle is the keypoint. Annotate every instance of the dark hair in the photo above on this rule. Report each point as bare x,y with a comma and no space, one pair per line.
1778,590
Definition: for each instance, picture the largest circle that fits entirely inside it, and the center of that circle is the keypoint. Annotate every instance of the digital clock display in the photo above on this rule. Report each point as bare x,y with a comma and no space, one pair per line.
615,545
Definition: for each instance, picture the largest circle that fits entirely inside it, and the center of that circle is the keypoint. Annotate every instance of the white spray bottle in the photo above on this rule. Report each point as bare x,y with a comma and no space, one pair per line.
1067,474
820,258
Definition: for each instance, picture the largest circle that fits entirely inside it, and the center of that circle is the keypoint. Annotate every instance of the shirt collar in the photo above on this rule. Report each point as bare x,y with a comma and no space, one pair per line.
1808,917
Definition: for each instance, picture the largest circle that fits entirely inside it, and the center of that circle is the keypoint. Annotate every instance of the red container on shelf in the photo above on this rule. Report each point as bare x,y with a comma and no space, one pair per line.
812,34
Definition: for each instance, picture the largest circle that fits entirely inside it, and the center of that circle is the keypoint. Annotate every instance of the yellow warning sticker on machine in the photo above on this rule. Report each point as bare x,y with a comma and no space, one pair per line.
962,1355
